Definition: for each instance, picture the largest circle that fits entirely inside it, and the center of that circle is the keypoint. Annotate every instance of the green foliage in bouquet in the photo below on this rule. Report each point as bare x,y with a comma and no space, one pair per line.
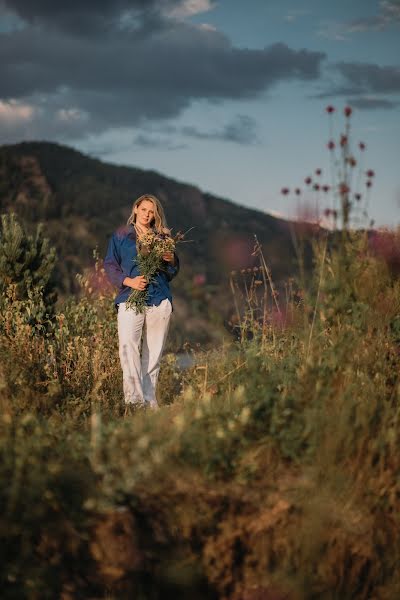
151,248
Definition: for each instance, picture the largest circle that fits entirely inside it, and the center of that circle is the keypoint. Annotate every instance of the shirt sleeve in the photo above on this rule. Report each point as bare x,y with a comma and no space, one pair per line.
173,270
112,263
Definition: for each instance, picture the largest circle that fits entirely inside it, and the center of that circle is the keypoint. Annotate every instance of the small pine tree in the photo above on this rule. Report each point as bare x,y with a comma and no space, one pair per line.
26,262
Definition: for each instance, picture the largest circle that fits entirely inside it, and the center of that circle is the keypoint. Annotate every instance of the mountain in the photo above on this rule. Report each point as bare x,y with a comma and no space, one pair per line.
82,200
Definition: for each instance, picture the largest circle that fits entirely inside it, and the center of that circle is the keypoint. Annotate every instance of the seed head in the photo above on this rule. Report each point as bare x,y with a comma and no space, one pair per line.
352,161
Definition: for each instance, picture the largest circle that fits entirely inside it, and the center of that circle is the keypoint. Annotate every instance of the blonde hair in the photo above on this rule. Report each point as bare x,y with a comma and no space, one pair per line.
159,223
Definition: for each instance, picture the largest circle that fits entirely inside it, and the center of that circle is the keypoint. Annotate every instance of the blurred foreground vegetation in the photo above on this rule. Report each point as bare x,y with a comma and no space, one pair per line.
271,470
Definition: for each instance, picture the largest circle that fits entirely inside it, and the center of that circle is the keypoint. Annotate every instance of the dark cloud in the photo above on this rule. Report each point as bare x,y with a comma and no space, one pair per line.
364,83
90,83
372,103
240,131
368,77
88,17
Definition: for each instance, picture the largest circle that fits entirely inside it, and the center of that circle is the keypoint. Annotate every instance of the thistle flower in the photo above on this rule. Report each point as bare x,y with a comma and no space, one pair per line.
330,109
352,161
199,279
285,191
347,111
362,146
307,180
331,145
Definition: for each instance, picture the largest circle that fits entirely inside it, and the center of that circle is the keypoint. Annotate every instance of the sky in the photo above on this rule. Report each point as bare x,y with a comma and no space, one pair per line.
227,95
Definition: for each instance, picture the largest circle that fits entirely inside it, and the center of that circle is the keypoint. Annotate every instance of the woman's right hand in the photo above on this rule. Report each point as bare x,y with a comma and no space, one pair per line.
136,283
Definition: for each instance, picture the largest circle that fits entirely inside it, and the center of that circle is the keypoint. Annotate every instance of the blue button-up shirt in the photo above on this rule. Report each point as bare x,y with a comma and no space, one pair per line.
120,262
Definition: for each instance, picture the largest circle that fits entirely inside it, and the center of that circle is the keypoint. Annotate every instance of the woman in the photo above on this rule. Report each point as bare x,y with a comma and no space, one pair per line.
140,370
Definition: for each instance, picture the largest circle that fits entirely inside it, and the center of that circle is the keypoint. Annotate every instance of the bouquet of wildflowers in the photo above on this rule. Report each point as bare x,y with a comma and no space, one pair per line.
151,247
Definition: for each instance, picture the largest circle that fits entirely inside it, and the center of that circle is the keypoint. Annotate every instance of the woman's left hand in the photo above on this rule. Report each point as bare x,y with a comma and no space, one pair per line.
169,257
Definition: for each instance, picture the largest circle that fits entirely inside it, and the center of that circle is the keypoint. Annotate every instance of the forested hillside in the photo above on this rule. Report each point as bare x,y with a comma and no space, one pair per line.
81,201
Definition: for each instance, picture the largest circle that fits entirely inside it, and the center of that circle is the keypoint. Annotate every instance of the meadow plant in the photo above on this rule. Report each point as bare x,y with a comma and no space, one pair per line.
270,470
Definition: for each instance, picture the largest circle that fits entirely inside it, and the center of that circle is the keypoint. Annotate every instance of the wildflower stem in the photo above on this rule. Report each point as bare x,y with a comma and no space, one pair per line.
317,298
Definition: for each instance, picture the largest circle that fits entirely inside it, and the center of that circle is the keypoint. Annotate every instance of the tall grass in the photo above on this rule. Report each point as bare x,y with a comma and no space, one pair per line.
271,469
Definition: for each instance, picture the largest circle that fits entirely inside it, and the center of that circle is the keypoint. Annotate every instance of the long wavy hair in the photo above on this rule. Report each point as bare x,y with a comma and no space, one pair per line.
159,223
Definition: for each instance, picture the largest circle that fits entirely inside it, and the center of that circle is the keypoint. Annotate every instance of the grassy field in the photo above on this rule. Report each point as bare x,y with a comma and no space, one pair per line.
271,470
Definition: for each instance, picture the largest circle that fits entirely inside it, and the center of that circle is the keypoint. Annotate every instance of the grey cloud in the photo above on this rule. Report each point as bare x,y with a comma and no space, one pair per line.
241,131
157,143
372,103
364,83
388,15
338,90
365,24
125,79
88,17
184,61
141,141
368,77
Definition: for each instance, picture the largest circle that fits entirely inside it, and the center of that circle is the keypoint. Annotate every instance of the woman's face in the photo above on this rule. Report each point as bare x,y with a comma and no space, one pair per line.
145,213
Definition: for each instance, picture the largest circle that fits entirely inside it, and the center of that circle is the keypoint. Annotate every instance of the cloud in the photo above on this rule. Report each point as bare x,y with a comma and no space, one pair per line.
367,85
387,17
12,113
188,8
85,18
295,14
116,77
240,131
369,77
157,143
334,31
372,103
102,17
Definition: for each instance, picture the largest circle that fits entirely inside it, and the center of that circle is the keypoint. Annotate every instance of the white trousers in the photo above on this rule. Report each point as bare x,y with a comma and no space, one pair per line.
140,369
